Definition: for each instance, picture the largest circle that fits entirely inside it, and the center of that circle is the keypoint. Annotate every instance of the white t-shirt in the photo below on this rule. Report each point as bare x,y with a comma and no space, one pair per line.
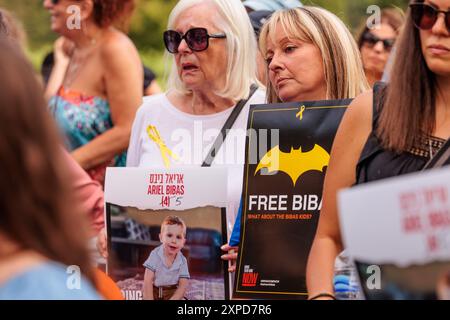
188,138
164,275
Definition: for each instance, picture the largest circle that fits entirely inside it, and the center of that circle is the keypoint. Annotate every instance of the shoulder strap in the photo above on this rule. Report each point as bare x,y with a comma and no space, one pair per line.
226,127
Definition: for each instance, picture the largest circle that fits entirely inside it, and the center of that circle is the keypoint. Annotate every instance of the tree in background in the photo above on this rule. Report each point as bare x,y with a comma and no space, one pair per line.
150,18
149,23
146,30
35,20
354,12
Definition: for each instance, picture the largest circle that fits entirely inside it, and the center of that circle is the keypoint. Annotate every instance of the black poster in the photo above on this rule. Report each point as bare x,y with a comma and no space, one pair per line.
287,154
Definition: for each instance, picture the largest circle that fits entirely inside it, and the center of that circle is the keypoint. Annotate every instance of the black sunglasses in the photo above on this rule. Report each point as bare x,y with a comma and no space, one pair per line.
371,40
425,16
197,39
55,2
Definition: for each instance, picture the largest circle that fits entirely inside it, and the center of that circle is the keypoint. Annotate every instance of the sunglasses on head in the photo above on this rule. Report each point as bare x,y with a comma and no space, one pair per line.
55,2
371,40
425,16
197,39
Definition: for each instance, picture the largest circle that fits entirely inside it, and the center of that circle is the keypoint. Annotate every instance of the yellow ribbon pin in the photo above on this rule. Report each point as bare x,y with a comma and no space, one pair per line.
153,133
300,113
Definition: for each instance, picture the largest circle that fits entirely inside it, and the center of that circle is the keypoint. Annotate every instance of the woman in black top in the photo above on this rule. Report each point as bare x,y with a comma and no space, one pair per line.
397,134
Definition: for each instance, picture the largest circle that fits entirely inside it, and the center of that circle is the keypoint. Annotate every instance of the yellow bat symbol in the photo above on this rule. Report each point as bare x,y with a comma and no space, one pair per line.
294,163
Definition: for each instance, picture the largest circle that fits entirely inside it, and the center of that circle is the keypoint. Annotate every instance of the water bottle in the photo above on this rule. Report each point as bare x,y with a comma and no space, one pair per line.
346,284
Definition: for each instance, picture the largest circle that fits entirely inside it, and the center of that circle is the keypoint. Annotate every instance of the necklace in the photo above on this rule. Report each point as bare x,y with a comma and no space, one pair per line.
75,62
72,73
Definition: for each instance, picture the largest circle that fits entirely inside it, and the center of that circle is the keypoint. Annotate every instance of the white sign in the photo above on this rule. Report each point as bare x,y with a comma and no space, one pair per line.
173,189
402,221
141,205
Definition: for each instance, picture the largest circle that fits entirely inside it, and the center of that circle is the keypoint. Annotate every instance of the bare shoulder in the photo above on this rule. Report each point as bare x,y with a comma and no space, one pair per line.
355,127
116,44
359,112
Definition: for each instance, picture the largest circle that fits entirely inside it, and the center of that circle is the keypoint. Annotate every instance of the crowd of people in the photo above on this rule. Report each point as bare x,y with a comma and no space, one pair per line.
62,129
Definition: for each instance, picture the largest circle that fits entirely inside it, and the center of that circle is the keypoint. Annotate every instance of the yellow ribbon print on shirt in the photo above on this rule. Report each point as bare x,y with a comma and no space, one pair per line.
300,112
153,133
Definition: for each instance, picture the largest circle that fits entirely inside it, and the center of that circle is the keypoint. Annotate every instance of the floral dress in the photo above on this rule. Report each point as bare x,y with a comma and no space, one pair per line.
81,118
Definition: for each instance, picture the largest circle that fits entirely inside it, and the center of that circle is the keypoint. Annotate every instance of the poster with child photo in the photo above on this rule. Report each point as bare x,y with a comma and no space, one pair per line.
165,232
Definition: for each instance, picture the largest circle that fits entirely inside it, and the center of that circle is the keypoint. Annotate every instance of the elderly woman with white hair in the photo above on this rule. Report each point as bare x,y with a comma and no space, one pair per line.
213,51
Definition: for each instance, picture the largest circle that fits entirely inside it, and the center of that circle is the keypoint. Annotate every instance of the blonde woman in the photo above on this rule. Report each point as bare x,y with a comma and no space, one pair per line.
310,55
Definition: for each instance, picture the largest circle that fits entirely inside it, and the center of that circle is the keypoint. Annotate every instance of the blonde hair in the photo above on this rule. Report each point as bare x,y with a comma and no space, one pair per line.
241,47
344,73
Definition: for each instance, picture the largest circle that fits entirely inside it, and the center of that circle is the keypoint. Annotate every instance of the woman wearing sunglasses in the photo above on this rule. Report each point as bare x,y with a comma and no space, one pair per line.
213,50
96,87
389,131
376,43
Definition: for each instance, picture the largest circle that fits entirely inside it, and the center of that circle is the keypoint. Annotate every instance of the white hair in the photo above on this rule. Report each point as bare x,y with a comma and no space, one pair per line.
241,47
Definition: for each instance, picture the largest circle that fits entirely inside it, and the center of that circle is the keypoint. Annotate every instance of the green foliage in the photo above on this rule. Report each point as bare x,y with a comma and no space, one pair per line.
34,18
156,60
150,20
147,24
354,12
